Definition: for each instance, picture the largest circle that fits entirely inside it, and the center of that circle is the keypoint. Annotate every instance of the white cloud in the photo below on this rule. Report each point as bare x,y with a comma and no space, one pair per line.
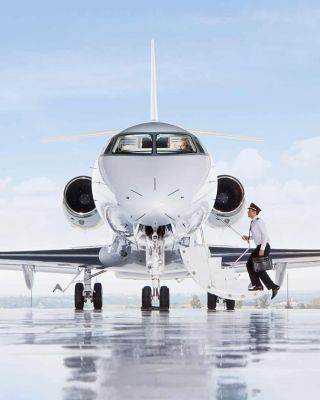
288,205
32,217
288,208
249,167
35,186
284,193
303,154
5,182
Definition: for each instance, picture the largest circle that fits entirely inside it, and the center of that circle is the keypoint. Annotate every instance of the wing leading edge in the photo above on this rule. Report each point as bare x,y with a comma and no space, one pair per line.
60,260
295,258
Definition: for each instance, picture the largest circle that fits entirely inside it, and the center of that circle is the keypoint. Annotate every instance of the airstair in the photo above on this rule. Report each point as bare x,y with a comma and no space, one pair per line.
208,272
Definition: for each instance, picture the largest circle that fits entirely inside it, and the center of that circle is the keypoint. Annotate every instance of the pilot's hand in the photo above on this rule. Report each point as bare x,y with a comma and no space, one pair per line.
261,253
245,237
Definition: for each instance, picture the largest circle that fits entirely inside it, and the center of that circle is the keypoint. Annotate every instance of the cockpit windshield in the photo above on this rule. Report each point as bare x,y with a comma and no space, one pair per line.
167,143
154,144
133,144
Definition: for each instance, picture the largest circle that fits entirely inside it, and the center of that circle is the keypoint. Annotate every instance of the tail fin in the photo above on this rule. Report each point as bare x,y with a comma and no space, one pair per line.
153,83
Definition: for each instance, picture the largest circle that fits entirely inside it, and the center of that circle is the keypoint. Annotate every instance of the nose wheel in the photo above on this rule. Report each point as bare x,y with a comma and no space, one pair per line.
164,298
212,301
147,299
230,304
97,296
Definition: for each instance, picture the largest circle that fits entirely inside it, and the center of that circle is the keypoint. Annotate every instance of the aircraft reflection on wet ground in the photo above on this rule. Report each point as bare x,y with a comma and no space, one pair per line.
185,353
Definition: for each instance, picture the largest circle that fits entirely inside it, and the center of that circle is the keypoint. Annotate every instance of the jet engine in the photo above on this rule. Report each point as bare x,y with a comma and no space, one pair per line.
78,203
229,202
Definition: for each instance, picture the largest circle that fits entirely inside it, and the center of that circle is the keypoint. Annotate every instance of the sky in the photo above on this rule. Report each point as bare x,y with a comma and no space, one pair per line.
249,68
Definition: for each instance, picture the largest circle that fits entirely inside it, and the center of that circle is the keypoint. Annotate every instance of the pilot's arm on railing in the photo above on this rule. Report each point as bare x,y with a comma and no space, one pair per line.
246,238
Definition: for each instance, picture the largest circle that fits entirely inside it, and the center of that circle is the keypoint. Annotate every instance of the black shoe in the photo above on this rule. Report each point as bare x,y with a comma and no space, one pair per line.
254,288
275,291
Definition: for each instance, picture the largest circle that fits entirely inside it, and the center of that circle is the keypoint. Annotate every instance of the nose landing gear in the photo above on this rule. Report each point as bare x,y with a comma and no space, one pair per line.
157,297
149,297
213,300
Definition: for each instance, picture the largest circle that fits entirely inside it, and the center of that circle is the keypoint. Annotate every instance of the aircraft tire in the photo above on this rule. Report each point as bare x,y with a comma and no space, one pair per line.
78,296
212,301
146,301
230,304
164,298
97,297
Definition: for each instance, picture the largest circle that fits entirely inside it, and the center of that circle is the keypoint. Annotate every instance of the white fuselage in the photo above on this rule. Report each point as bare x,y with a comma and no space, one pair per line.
154,190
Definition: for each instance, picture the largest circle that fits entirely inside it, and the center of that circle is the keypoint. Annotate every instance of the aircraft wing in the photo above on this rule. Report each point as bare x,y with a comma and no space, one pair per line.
294,258
70,260
60,260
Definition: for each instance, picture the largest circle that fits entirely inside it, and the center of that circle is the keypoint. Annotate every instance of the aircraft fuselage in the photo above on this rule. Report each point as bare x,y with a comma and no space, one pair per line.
154,186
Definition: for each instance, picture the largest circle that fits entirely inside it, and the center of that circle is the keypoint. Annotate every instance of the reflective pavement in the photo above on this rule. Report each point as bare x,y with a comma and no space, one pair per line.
129,354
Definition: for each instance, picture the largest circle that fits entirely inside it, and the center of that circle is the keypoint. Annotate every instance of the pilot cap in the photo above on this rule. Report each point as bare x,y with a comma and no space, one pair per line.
254,207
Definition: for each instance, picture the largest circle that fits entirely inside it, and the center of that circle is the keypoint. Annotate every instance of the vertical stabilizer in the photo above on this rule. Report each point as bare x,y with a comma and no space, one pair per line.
153,82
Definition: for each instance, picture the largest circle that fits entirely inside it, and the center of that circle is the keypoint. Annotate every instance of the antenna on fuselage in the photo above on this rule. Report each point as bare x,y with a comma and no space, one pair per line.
153,84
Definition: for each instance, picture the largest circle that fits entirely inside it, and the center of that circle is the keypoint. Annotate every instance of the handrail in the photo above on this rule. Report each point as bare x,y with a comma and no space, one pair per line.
238,233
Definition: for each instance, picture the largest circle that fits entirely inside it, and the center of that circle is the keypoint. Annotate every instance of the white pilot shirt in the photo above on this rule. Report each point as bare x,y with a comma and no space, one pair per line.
258,232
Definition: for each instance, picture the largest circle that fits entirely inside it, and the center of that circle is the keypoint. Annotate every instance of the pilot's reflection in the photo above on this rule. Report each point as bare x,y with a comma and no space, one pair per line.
253,339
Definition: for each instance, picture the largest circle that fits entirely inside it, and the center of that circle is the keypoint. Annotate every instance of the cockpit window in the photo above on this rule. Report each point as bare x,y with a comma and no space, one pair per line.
167,143
133,144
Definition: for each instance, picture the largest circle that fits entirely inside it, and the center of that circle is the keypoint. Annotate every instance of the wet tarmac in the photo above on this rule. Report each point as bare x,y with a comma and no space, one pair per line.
183,354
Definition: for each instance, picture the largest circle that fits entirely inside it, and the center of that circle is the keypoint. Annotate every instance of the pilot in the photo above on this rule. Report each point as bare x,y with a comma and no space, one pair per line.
185,145
259,234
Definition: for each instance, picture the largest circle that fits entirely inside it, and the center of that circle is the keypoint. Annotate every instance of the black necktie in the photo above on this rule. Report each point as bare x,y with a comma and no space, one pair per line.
250,228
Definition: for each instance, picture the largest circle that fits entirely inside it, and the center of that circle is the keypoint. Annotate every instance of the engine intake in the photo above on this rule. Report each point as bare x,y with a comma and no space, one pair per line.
79,204
229,201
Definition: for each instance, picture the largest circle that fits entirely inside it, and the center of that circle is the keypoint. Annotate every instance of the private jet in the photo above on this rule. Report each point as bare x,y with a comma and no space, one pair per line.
157,214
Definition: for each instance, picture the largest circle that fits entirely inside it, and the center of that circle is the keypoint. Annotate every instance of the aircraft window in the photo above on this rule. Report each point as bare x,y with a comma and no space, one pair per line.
133,144
174,143
199,145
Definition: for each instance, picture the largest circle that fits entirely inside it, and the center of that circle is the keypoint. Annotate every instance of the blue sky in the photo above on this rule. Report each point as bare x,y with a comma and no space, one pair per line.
238,67
249,67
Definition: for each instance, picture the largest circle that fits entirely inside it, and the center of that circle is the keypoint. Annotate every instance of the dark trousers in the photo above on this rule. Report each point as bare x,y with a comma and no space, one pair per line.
256,276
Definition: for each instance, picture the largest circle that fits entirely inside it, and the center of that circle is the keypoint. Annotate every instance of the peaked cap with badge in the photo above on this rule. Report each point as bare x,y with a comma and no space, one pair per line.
254,207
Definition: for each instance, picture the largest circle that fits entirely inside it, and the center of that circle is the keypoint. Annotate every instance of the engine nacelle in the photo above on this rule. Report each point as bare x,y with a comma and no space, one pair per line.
229,201
78,203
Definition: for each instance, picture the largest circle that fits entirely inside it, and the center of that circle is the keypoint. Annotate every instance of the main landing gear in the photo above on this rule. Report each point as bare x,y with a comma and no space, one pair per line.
213,300
149,296
83,292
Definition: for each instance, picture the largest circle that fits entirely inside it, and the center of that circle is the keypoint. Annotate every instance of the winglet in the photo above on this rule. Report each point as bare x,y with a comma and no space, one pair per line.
153,82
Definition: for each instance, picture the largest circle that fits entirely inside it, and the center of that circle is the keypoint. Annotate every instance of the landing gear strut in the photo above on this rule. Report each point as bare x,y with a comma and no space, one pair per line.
156,297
